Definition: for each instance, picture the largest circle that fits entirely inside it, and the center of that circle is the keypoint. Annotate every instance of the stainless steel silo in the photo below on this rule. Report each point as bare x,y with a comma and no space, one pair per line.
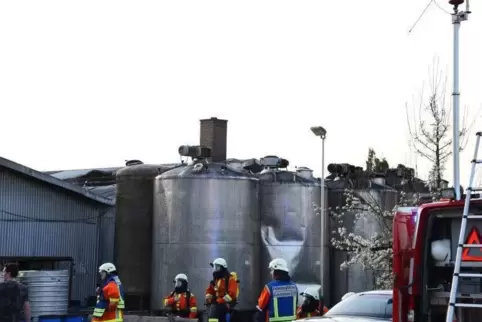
133,229
376,194
290,222
369,191
201,212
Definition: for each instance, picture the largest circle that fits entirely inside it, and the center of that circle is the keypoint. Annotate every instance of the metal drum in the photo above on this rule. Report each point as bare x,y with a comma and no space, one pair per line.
48,291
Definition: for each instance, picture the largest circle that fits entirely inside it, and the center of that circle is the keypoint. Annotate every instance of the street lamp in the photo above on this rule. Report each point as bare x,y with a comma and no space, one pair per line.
321,133
457,17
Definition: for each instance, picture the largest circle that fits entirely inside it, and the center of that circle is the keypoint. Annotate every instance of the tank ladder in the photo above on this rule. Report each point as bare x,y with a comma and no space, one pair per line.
463,227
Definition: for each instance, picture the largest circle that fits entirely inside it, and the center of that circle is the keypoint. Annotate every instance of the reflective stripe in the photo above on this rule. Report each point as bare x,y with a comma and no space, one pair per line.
209,296
213,320
276,317
227,298
98,312
113,300
120,301
309,315
193,309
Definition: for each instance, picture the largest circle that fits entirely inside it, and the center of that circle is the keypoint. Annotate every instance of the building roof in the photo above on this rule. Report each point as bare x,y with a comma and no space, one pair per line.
73,174
108,191
100,181
51,180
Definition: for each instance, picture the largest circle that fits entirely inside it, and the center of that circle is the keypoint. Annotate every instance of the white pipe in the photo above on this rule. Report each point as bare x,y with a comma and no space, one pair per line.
456,108
324,277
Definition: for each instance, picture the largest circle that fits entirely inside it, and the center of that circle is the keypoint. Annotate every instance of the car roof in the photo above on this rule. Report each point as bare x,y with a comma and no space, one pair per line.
376,292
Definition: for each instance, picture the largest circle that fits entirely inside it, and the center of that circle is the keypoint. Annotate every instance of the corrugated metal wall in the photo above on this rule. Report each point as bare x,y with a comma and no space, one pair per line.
38,219
106,241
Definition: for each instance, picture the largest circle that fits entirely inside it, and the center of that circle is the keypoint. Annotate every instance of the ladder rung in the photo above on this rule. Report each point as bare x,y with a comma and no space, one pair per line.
474,217
476,161
472,245
468,305
470,275
474,189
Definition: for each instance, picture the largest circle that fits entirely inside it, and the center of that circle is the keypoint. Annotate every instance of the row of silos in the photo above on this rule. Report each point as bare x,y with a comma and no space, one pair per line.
207,210
202,210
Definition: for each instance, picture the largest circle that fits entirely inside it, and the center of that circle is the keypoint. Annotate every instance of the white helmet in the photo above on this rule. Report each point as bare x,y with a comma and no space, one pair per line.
441,250
180,276
347,295
313,292
220,262
107,267
279,264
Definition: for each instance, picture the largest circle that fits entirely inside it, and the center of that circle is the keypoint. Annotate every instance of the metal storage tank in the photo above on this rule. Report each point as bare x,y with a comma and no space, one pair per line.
370,191
201,212
48,291
290,221
133,229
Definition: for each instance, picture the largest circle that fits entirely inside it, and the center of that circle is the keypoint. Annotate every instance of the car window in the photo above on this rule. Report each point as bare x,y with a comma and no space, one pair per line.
369,305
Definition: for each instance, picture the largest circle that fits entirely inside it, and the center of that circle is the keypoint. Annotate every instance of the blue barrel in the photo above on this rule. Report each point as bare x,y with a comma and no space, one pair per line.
63,318
75,318
50,318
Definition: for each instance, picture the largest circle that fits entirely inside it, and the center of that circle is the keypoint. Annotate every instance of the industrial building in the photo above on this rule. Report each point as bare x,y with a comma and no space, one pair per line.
147,217
48,223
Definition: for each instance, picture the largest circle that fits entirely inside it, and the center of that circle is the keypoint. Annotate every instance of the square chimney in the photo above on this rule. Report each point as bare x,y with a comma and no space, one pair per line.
214,134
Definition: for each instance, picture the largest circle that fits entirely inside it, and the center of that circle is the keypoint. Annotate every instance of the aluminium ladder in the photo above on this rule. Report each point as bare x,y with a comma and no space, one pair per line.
463,227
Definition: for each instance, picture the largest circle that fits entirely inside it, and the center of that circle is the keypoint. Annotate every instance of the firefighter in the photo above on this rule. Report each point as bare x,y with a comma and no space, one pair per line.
279,298
221,295
110,300
311,304
181,301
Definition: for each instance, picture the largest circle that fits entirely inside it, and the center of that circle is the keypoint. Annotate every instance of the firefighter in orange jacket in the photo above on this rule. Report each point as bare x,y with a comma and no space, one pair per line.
110,300
311,305
181,302
221,293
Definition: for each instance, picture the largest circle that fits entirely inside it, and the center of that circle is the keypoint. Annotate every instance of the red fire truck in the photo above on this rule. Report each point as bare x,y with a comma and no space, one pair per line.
424,246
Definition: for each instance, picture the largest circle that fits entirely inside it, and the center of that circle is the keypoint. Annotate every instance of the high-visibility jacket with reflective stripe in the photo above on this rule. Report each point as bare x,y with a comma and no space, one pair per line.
220,292
180,306
110,302
279,299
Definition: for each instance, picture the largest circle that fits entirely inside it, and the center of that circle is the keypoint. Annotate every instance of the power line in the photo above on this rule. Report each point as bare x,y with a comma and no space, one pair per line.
421,16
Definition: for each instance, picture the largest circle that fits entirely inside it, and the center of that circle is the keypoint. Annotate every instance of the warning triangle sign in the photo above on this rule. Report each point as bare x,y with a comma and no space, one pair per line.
472,238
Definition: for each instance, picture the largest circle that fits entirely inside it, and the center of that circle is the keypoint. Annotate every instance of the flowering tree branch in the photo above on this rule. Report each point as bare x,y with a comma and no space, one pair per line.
370,247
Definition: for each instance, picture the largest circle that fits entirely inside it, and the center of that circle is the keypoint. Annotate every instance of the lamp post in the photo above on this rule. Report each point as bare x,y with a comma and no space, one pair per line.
321,133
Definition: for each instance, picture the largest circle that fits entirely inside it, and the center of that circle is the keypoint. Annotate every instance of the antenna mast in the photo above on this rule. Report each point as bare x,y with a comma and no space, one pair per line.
457,18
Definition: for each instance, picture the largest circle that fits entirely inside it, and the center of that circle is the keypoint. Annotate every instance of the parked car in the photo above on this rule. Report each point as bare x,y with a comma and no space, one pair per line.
368,306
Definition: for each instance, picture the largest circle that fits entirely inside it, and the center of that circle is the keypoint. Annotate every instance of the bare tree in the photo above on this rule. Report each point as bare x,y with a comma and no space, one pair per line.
430,126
